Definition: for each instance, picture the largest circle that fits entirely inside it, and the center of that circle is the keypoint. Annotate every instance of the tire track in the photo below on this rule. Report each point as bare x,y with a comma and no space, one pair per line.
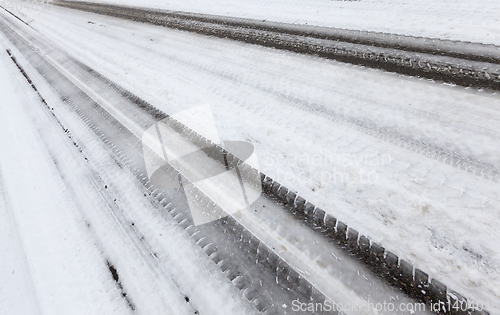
135,240
463,162
446,68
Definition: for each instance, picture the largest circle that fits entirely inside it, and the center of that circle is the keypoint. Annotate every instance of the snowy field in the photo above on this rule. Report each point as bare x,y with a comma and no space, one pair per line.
320,127
465,20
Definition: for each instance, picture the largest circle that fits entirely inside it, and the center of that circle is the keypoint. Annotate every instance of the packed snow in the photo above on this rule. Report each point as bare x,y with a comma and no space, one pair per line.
319,127
58,230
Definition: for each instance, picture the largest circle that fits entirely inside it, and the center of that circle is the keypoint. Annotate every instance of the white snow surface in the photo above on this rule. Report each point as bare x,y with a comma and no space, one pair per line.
465,20
440,218
58,230
43,239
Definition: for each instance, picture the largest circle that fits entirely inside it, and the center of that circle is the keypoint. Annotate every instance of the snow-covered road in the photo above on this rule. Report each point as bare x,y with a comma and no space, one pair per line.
368,147
62,225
